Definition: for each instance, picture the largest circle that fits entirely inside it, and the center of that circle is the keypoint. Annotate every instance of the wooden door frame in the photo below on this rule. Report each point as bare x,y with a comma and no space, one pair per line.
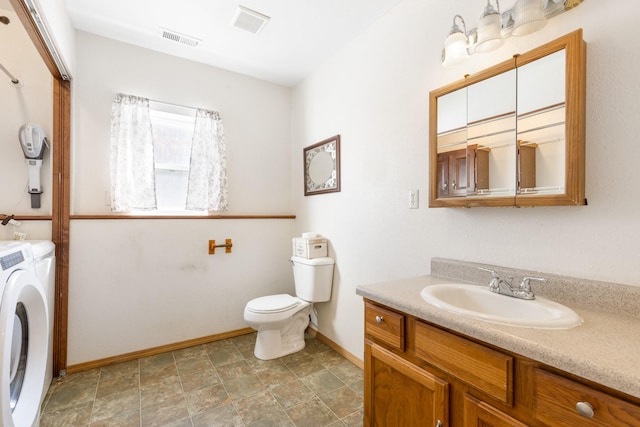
61,185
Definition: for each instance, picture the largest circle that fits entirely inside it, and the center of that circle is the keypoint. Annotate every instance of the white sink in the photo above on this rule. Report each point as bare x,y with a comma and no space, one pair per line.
480,303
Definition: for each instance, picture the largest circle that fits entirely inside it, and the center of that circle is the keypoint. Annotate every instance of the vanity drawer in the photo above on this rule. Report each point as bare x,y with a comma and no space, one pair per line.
384,325
557,398
483,368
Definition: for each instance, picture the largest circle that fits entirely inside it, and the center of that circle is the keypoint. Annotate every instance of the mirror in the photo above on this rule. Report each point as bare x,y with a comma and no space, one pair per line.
541,125
322,167
512,135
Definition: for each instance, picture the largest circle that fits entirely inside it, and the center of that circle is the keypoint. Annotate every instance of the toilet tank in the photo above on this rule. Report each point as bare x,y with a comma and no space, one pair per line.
313,278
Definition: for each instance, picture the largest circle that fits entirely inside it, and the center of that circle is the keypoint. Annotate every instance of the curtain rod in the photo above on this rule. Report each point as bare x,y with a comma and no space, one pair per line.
14,81
181,106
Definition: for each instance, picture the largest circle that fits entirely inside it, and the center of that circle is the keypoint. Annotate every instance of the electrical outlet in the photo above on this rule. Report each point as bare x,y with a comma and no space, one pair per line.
414,199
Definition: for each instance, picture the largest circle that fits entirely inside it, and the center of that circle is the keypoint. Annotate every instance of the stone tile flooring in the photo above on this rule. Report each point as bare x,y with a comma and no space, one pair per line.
216,384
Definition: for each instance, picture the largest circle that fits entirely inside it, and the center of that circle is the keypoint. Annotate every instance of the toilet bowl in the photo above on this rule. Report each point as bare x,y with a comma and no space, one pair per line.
282,319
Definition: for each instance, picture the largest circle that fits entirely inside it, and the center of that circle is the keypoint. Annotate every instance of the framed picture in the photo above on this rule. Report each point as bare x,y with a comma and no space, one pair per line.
322,167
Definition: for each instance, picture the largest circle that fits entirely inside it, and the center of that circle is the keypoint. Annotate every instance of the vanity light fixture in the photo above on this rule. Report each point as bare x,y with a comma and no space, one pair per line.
489,29
455,46
526,17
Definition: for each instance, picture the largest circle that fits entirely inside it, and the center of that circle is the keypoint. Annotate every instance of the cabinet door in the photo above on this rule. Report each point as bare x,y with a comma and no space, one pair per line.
480,414
398,393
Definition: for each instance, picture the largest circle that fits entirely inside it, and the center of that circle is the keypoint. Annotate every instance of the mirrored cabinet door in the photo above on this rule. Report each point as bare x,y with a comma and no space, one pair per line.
514,134
451,177
541,125
491,136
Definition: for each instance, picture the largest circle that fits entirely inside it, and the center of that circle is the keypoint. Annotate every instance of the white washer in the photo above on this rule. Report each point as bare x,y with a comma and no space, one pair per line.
44,260
24,323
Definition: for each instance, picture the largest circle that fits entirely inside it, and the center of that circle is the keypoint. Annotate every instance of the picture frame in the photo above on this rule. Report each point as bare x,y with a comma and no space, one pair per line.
322,167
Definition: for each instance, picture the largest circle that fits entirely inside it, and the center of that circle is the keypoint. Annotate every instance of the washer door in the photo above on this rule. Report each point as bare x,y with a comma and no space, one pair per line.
23,349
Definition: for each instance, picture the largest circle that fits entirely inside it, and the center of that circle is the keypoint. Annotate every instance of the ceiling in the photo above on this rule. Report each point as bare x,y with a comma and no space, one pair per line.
299,36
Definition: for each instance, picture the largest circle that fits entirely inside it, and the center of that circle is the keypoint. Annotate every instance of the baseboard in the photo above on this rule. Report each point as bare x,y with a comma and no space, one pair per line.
338,349
155,350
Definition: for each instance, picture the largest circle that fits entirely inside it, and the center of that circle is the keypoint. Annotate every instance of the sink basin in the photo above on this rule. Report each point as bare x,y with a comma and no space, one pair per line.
480,303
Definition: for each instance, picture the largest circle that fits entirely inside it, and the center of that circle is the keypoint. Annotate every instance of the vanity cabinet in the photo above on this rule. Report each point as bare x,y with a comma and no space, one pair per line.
419,374
522,124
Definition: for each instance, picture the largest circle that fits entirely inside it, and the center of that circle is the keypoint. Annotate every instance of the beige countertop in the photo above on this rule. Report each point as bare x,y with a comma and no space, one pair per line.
605,348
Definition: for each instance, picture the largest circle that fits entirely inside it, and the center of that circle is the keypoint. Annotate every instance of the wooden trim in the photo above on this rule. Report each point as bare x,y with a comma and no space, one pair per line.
60,223
492,118
29,217
337,348
156,350
125,216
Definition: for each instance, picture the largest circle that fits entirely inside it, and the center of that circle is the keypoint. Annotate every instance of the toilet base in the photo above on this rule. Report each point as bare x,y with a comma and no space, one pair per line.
275,343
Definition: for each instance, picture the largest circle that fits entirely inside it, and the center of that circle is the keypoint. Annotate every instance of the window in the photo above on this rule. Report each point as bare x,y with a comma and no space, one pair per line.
172,136
166,158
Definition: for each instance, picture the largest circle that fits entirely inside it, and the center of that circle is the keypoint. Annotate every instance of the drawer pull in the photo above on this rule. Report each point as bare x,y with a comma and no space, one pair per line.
439,423
379,319
585,409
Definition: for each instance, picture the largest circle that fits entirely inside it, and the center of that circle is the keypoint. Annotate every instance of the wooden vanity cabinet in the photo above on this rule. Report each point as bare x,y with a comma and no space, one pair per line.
419,374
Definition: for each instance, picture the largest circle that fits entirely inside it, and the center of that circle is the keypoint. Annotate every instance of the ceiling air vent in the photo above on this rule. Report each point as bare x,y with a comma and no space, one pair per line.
249,20
178,37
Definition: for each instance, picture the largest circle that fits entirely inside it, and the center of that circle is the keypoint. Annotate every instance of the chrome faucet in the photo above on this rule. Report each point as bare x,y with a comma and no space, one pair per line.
502,286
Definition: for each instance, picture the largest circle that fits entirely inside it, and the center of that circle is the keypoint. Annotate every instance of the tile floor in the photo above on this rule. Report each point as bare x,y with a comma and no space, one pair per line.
216,384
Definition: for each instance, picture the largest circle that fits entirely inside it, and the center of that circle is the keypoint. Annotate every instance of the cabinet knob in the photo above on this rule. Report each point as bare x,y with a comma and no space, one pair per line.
439,423
379,319
585,409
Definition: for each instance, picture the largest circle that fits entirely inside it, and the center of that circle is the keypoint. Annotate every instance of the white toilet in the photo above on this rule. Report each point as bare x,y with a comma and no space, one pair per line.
282,319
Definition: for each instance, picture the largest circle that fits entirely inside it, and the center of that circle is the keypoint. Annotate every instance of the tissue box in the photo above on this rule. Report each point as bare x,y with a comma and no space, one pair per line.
310,248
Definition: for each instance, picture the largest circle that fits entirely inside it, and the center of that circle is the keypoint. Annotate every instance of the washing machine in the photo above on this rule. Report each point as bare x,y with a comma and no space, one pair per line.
44,261
24,330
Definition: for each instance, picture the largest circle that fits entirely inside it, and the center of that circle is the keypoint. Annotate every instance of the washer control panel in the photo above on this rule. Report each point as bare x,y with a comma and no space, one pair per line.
8,261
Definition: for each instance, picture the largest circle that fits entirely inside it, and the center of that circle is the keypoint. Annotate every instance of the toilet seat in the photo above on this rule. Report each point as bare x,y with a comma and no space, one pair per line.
272,304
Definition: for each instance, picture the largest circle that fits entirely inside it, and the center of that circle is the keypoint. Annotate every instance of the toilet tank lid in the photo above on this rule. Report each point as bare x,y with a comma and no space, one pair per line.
313,261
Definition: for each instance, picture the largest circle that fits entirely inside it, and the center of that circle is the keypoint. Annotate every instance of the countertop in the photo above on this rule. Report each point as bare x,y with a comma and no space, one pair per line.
605,348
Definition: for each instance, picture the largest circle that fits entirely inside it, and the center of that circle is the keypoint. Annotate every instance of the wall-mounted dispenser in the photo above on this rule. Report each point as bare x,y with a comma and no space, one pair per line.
33,140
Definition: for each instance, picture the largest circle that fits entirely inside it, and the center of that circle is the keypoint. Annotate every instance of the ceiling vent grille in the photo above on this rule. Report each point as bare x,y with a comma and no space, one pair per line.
249,20
178,37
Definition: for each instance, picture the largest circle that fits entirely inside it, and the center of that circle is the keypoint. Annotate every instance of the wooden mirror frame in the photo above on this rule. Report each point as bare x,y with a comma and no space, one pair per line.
575,102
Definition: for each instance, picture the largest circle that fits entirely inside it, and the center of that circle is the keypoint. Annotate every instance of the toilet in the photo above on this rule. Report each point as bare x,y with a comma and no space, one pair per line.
282,319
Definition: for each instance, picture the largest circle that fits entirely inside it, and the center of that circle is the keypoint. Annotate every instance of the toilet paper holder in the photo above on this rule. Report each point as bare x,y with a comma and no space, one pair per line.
227,246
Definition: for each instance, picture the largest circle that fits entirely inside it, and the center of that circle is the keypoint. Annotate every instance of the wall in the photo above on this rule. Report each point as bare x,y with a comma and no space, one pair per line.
30,103
374,93
136,284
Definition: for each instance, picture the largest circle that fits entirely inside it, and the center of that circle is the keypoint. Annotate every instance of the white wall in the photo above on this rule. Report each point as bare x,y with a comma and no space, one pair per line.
136,284
30,103
255,115
374,93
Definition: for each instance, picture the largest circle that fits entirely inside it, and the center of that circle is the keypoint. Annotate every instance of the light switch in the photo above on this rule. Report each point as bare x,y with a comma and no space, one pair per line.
414,199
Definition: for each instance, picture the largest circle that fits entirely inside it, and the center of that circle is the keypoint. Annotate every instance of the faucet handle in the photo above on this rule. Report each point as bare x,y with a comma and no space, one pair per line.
495,275
526,286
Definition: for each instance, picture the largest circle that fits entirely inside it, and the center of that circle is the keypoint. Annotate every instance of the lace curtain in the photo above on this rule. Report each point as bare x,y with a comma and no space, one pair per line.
132,164
208,167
